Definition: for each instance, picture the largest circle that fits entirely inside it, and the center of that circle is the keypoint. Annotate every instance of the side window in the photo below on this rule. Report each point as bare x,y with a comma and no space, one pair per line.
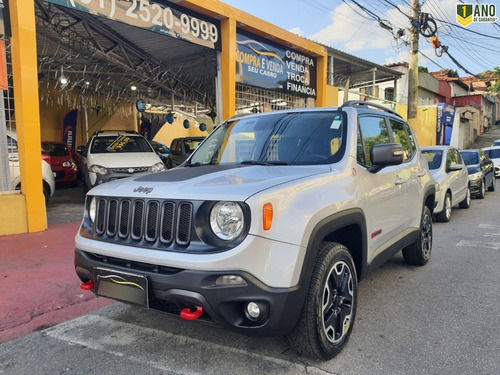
402,134
450,158
372,130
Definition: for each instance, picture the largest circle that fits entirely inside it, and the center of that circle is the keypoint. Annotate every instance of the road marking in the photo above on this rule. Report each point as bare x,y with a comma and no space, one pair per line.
121,339
486,245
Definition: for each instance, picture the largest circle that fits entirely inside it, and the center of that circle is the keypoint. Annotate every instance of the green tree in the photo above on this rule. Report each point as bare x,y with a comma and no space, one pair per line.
495,75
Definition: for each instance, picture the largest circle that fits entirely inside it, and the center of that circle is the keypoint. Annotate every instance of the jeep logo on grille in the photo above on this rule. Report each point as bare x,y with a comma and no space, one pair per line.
142,189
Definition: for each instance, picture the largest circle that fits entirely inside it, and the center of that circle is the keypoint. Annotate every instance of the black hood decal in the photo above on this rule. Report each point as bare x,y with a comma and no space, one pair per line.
185,173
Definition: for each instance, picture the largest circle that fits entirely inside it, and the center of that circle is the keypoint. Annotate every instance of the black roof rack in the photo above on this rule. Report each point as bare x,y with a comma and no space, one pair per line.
361,103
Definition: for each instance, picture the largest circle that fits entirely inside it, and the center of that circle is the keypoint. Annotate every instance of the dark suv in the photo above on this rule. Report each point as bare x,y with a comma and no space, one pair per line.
180,149
269,225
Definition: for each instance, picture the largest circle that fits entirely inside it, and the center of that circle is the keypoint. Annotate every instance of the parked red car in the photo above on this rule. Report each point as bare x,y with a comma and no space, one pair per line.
61,161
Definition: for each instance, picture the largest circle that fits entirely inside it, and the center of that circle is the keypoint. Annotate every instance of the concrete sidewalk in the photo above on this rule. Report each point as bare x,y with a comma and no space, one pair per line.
38,283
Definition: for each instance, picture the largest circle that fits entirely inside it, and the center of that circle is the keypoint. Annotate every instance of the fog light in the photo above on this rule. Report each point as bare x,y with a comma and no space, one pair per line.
253,310
230,280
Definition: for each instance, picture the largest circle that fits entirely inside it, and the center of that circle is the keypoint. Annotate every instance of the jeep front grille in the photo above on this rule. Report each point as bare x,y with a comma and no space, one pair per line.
153,221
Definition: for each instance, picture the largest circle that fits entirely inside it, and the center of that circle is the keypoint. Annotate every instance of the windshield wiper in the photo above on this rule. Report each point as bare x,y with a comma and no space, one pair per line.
197,164
271,162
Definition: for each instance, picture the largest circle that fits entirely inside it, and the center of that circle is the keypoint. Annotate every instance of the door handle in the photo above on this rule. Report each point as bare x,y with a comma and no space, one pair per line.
420,173
399,181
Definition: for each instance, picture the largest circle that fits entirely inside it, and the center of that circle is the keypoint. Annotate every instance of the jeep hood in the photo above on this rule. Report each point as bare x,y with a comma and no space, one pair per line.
208,182
124,160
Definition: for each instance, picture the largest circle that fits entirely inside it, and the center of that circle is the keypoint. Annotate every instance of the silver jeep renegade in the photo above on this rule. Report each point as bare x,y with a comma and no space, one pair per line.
269,225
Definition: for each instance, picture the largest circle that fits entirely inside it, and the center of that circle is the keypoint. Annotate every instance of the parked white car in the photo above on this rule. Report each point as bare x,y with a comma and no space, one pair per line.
494,153
115,154
48,181
452,180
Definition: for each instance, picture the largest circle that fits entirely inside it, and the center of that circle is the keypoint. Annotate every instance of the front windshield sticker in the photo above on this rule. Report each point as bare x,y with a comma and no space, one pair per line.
337,121
118,143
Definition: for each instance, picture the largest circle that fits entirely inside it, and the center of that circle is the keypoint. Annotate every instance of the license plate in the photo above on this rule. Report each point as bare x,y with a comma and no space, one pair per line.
122,286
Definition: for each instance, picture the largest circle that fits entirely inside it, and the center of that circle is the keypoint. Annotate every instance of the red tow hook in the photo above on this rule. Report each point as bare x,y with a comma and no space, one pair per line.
89,285
191,315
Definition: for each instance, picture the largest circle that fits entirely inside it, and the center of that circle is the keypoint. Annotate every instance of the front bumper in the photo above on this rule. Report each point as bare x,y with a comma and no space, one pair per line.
475,186
172,289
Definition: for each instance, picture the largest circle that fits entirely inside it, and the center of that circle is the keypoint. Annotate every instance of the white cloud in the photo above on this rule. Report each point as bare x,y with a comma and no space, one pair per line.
351,31
296,30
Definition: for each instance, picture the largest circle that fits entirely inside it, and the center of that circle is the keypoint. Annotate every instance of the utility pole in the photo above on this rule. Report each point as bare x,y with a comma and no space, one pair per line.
413,64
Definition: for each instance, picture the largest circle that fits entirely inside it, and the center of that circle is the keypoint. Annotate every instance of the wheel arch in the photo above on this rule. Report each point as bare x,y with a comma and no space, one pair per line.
347,228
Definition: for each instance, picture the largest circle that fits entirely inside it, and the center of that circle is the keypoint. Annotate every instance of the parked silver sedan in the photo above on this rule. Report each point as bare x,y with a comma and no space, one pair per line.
452,180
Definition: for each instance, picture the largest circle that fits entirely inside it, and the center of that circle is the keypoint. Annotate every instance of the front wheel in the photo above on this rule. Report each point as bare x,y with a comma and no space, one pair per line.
445,215
493,184
419,252
466,202
330,307
482,189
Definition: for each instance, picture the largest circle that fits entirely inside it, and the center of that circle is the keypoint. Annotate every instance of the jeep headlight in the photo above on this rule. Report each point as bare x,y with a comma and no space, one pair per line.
158,167
92,208
67,164
226,220
98,169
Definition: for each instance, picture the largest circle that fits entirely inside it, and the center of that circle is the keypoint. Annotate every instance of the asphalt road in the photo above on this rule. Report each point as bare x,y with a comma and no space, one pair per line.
439,319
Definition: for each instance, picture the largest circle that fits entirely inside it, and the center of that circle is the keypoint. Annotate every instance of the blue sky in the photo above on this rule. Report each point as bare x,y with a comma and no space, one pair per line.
344,25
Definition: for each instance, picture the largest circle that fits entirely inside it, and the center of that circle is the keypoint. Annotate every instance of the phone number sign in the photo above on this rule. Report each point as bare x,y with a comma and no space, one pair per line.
167,20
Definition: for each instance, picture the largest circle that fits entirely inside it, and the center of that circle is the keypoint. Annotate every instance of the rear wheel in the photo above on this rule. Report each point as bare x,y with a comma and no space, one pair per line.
419,252
445,215
330,306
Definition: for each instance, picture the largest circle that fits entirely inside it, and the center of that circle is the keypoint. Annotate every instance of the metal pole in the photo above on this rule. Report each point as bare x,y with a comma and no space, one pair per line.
413,64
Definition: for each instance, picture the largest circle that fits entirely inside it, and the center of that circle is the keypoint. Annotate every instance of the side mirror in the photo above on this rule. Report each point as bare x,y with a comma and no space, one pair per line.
81,150
454,167
384,155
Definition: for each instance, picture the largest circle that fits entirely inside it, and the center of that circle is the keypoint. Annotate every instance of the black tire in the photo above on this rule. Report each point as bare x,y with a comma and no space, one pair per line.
419,252
85,187
330,307
493,184
445,215
467,200
482,190
46,192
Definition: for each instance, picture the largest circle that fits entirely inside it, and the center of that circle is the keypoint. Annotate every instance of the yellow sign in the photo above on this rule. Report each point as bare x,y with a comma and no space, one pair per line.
480,13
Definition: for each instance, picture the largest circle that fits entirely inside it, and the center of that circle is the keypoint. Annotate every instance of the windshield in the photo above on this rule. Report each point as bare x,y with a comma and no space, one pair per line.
277,138
433,158
470,157
55,149
493,153
120,143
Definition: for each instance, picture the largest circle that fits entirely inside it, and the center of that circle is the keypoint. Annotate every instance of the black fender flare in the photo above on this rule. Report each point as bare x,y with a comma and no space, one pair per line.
327,226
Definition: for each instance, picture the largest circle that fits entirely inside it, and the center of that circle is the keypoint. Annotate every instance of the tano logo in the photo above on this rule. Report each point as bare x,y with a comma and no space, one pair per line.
481,13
